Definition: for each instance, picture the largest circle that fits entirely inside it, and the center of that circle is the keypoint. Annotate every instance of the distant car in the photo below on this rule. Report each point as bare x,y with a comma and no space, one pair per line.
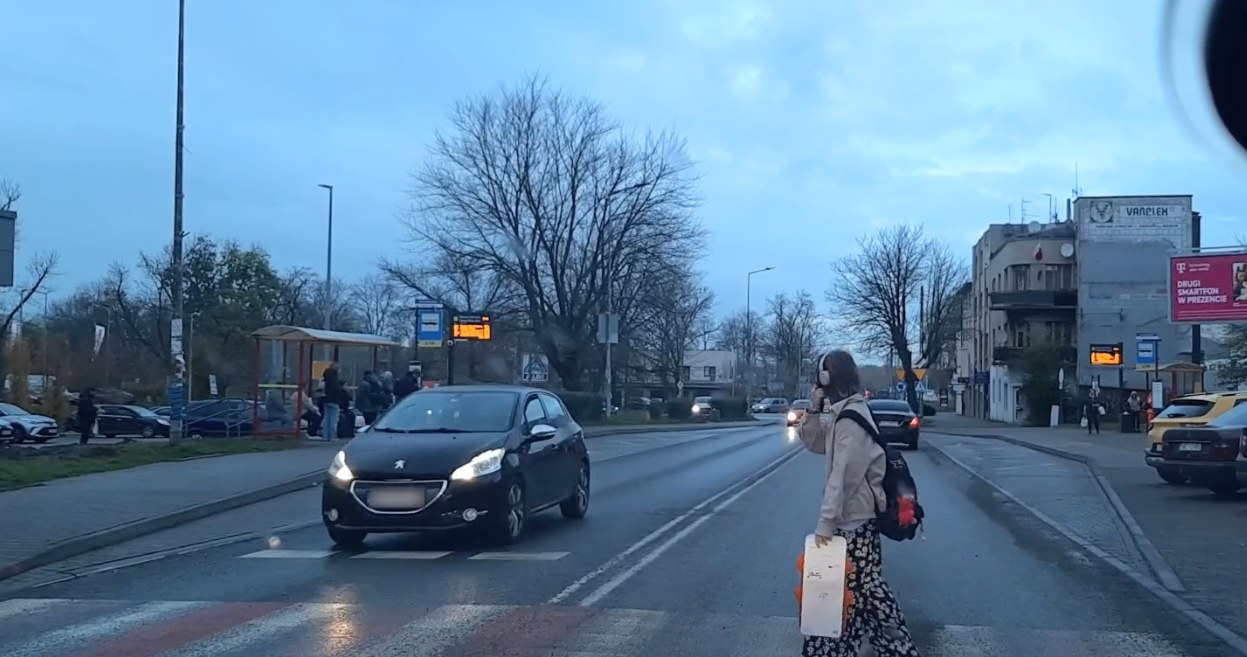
897,422
703,409
771,405
27,426
459,457
127,420
796,412
1211,455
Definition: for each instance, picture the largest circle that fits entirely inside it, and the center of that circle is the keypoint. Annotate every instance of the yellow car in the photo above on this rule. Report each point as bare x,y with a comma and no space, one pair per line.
1185,411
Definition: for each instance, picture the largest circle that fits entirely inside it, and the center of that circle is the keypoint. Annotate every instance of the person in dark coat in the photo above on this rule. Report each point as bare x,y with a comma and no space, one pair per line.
335,392
87,413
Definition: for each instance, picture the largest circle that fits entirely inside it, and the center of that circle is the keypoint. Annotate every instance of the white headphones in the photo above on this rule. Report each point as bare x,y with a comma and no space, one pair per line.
824,377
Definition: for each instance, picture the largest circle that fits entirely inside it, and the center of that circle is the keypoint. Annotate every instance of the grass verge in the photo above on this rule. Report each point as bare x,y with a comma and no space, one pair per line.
22,467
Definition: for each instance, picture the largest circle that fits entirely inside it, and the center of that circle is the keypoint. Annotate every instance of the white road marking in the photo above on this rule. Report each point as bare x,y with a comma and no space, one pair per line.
518,556
25,606
288,554
658,533
395,554
259,629
76,636
434,634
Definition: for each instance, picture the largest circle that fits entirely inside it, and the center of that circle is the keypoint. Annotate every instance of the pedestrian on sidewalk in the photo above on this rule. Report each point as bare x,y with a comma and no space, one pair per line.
853,494
1134,406
1091,411
87,414
335,392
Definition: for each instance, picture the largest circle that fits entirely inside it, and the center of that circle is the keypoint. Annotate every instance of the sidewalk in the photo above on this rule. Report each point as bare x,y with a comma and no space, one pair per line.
47,523
1107,449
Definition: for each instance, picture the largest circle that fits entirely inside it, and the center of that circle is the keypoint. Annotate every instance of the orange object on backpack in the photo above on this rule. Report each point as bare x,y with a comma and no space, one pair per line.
848,594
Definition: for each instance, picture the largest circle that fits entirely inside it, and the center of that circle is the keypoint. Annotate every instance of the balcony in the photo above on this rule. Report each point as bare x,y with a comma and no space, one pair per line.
1022,300
1012,354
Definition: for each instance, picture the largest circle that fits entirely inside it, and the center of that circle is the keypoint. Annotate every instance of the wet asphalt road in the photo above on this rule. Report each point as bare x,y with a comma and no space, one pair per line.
686,551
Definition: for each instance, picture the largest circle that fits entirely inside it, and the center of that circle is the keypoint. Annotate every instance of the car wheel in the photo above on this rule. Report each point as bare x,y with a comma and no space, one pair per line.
148,432
576,506
1225,488
509,524
346,538
1171,476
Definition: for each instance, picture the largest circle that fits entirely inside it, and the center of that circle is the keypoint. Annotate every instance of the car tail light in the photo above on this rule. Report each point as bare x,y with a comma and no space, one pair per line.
914,423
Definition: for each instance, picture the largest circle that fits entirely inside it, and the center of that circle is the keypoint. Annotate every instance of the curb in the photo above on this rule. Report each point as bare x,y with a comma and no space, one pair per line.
121,533
1173,600
1164,573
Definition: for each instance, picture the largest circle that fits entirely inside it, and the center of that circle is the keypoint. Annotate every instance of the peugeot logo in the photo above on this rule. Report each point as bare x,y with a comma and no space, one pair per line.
400,464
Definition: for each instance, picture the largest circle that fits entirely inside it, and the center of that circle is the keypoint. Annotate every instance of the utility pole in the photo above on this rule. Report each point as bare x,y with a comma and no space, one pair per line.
749,337
610,321
175,333
329,263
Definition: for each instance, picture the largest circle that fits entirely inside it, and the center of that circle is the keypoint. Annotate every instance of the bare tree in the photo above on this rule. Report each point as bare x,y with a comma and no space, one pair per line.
10,193
38,275
543,191
792,336
674,309
881,295
734,335
375,301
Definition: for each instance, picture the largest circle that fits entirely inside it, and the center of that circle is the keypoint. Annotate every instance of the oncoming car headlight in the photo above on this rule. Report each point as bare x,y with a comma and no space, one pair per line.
792,416
487,462
338,469
696,408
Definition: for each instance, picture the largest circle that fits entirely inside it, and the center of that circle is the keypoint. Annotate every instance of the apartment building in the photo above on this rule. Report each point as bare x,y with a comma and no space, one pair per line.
1023,290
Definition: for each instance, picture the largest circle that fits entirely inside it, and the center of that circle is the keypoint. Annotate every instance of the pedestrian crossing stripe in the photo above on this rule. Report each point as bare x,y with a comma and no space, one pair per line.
405,555
164,628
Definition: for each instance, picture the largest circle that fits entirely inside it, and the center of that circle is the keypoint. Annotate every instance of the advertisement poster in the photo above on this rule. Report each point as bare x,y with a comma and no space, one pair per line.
1208,288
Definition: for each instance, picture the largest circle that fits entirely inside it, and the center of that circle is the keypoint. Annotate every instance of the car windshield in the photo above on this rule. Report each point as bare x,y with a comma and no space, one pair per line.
1235,417
11,409
1186,408
801,404
142,412
889,406
467,412
702,400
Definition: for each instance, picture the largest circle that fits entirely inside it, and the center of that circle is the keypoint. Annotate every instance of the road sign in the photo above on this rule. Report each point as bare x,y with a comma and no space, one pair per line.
608,328
535,368
429,332
1145,353
920,373
473,327
919,386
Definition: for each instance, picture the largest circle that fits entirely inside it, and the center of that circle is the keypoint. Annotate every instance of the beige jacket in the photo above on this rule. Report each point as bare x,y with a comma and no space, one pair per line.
853,492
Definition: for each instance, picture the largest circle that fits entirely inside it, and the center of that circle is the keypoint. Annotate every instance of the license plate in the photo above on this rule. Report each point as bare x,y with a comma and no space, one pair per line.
396,498
1189,447
889,424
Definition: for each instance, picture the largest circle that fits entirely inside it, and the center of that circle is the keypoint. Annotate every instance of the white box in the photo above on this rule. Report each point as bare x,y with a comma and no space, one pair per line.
822,588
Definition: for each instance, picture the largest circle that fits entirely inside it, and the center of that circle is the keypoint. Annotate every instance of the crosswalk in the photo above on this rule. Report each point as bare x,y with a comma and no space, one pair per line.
166,628
404,555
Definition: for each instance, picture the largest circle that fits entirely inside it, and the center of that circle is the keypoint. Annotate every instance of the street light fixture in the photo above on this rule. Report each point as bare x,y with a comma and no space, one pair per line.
749,336
328,259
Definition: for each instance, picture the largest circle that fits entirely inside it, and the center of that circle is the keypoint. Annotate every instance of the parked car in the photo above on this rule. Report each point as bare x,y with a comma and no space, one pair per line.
703,409
125,420
1184,412
771,405
1209,455
796,412
459,457
896,421
27,426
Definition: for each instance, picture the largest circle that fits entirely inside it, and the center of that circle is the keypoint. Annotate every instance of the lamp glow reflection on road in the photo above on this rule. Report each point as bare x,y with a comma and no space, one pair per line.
340,632
792,434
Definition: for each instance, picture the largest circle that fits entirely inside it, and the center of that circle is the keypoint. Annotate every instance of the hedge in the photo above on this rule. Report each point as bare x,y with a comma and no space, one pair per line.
731,408
584,406
679,409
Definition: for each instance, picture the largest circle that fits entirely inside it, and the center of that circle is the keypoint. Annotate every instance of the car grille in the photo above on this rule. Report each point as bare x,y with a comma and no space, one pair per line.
432,490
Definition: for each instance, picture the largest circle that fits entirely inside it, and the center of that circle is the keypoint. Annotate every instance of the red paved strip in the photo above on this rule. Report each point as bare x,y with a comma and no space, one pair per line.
523,632
179,631
61,613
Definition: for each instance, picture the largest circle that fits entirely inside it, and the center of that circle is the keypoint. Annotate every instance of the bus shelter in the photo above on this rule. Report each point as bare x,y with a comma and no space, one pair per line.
290,360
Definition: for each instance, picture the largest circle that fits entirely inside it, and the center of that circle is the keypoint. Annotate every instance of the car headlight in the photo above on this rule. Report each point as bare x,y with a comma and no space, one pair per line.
338,469
162,421
487,462
696,408
792,416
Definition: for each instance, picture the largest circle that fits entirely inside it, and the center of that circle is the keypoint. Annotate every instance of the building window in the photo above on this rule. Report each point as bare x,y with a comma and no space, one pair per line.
686,373
1059,277
1021,277
709,372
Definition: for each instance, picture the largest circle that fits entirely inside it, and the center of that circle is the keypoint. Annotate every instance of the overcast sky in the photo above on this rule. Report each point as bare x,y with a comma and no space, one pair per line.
812,121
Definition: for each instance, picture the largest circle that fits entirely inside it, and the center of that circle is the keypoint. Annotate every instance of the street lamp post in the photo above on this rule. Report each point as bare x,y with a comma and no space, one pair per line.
44,367
329,260
749,337
175,334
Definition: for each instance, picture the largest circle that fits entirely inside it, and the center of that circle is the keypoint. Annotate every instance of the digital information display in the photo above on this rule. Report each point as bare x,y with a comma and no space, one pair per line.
472,327
1108,355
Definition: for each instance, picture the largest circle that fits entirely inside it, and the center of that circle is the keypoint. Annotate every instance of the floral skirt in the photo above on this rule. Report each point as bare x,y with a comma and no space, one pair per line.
874,612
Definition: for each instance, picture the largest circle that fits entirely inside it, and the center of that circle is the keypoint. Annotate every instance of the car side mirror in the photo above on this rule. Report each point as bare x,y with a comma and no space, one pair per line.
541,432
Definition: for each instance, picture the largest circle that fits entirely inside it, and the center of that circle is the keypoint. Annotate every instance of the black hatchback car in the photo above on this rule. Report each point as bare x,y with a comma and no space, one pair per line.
897,423
1211,455
459,457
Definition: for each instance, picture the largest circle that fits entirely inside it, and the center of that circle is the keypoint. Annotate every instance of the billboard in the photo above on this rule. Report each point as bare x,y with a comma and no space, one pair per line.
1208,288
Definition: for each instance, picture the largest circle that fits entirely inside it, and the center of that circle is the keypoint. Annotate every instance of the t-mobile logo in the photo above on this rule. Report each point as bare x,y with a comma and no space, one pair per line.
1181,267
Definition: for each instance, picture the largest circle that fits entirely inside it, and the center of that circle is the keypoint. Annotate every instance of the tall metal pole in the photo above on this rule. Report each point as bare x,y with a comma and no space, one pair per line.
749,337
610,310
329,263
175,332
43,394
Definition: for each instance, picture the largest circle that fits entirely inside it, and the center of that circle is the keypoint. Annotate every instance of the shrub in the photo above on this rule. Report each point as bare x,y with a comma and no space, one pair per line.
678,409
584,406
731,408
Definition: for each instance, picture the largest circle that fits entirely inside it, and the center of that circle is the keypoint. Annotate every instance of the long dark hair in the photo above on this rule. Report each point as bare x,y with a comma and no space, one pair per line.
844,381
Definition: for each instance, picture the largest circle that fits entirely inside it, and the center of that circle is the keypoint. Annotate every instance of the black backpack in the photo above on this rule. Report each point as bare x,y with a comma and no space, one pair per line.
902,518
